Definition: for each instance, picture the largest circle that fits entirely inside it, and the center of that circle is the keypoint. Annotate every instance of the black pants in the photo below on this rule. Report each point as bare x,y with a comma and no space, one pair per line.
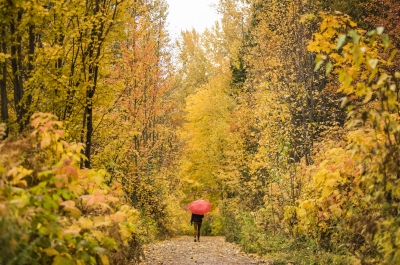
197,226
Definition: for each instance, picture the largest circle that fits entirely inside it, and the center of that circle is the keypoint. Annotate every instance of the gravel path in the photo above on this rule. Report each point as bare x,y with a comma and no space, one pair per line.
210,251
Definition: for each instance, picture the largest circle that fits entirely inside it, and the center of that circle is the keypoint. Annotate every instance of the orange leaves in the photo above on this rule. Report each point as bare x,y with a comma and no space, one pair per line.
70,171
118,216
96,198
42,119
117,189
60,180
139,133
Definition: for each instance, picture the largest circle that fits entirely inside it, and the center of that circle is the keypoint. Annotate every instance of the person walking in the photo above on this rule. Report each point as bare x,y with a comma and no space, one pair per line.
198,209
196,221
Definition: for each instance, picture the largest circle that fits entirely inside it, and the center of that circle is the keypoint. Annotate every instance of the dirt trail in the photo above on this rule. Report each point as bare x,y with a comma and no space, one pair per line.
211,250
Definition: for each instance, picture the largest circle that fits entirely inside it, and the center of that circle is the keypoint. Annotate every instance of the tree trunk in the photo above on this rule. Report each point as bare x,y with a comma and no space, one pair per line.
16,66
94,53
32,44
3,89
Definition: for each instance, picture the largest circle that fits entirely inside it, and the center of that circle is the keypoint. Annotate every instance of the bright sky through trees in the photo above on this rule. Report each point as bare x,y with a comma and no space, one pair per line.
187,14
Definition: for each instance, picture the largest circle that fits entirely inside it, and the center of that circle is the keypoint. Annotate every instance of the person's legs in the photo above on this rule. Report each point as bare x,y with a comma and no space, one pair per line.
198,231
195,225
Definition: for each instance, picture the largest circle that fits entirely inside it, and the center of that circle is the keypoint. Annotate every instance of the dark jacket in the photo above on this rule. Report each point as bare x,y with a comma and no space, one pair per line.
197,218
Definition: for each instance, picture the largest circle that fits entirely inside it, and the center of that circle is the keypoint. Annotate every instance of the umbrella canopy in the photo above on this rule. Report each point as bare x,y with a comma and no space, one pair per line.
200,207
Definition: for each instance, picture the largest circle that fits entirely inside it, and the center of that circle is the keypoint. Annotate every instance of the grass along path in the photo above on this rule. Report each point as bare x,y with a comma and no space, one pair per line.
210,251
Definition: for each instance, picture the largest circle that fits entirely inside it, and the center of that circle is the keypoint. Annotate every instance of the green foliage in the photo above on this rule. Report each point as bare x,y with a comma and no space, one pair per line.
242,228
302,250
250,231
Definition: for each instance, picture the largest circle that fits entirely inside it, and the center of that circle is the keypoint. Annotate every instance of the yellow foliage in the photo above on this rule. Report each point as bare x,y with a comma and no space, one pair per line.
65,203
356,185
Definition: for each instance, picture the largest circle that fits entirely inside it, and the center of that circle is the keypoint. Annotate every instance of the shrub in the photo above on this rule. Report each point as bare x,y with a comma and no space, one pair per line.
53,212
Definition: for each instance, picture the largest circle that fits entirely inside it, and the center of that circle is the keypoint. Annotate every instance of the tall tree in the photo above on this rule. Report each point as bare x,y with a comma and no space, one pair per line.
141,150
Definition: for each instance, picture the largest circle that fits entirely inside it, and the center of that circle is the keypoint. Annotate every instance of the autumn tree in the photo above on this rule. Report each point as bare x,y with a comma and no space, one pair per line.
60,50
141,150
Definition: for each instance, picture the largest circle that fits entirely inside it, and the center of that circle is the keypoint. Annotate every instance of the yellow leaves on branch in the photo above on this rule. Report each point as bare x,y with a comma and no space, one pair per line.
49,135
338,187
335,182
17,175
331,27
353,54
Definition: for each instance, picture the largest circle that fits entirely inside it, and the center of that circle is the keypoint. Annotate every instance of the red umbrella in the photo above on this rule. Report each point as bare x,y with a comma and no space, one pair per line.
200,207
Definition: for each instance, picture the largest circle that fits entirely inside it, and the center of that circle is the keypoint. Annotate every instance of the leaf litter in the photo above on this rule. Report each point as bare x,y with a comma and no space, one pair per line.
210,250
